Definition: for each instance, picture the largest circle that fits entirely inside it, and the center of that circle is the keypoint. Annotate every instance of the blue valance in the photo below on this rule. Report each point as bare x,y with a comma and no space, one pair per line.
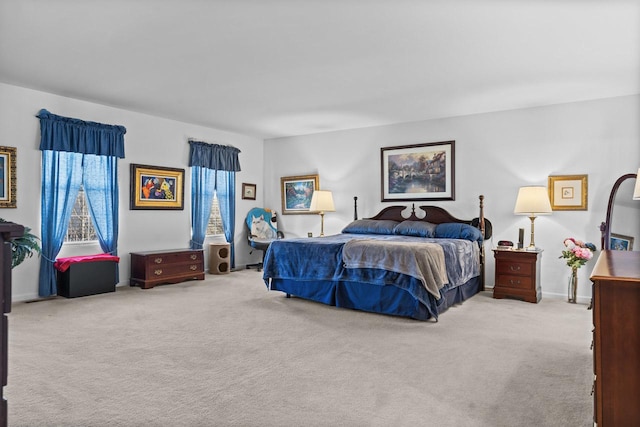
214,156
60,133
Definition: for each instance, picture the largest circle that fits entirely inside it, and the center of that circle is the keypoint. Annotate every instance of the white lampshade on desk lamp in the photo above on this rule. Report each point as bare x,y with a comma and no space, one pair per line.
532,201
636,191
321,202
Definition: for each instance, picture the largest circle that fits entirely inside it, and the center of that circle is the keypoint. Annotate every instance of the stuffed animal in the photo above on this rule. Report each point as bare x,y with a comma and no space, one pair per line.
261,228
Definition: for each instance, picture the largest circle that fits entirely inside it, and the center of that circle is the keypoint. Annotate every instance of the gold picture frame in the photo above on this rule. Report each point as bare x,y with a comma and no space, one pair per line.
8,183
568,192
296,192
156,187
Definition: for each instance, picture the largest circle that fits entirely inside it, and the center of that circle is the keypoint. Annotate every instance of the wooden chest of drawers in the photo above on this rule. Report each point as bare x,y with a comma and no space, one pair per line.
518,275
169,266
616,338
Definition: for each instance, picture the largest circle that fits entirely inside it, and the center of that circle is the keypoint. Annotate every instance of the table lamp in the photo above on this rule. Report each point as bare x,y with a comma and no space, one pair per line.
636,191
532,201
321,202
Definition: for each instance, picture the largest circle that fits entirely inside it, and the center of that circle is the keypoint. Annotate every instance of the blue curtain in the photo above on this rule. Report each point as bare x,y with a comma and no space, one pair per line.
76,152
202,191
223,163
100,183
226,192
61,179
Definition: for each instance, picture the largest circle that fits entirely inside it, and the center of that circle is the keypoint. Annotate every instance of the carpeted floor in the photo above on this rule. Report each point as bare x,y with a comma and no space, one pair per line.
226,352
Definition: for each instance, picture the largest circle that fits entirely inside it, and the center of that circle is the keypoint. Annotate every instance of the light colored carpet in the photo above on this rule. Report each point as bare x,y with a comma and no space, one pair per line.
226,352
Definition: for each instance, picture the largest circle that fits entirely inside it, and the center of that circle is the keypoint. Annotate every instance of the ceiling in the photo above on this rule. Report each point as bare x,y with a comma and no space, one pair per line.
272,68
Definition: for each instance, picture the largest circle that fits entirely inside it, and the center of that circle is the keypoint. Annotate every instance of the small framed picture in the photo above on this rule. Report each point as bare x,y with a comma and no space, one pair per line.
248,191
568,192
620,242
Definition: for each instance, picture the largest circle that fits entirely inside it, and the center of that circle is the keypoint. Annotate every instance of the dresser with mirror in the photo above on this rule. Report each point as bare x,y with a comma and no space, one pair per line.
616,311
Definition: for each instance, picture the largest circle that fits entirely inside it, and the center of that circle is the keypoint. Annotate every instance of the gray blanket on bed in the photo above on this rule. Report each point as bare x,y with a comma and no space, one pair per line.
424,261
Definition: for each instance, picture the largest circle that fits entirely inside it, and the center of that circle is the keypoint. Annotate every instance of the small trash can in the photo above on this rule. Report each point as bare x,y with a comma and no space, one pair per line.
219,258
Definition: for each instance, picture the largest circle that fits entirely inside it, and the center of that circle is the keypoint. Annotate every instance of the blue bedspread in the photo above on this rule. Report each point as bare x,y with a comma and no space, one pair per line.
312,259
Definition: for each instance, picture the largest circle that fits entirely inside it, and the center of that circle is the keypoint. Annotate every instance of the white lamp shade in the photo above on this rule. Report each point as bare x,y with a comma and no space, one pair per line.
322,201
533,200
636,191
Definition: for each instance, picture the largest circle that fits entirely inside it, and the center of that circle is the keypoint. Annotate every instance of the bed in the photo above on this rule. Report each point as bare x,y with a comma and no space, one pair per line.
414,265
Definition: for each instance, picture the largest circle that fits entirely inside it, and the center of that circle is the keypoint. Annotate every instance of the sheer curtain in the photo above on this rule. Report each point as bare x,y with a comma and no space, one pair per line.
76,152
213,171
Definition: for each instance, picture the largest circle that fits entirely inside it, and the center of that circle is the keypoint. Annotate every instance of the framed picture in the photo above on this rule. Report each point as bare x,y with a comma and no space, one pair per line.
568,192
156,187
621,242
248,191
296,193
8,187
418,172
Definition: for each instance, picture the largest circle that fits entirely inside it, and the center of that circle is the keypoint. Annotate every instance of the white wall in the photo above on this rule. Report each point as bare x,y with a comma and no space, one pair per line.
149,140
495,154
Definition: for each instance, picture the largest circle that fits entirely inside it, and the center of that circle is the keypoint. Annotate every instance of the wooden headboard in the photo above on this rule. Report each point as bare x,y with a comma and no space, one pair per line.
433,214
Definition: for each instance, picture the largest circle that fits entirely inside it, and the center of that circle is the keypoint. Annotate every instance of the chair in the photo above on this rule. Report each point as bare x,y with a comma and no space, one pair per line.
262,229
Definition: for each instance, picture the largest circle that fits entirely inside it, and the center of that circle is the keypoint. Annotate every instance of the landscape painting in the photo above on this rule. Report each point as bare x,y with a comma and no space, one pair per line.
418,172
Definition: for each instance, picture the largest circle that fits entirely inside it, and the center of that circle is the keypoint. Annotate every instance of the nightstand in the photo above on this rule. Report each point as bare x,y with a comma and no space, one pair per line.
518,274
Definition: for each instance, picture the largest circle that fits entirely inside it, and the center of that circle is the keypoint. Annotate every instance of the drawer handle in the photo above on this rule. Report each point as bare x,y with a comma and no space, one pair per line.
158,260
514,267
158,272
514,282
193,267
194,256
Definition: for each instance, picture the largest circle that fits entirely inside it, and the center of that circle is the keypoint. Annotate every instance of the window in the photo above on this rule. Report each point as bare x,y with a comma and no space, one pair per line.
215,220
80,225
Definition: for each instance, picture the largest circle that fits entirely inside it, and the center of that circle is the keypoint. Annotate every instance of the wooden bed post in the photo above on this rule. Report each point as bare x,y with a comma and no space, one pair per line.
355,208
482,228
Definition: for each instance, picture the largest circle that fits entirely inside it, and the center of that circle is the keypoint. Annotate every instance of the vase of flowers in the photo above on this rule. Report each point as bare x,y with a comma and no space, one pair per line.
577,253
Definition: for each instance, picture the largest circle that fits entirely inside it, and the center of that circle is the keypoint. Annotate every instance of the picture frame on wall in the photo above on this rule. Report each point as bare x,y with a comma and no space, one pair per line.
156,187
620,242
568,192
249,191
8,184
296,192
418,172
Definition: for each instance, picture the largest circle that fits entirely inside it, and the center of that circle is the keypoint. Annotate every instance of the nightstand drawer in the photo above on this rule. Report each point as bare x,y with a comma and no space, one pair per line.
511,267
512,281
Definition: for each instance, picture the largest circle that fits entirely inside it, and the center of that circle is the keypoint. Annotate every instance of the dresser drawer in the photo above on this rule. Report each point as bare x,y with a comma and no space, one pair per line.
156,271
511,281
510,267
174,258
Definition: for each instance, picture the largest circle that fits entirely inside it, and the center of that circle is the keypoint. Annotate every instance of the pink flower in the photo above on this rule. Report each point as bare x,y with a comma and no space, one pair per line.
569,243
583,253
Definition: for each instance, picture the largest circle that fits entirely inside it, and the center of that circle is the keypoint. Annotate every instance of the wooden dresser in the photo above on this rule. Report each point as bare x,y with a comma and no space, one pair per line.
518,274
616,339
169,266
8,230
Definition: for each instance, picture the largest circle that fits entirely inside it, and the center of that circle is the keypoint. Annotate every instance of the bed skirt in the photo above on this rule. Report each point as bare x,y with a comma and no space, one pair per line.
383,299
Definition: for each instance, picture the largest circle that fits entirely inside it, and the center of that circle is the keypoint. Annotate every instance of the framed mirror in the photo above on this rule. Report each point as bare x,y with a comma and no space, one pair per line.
621,228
